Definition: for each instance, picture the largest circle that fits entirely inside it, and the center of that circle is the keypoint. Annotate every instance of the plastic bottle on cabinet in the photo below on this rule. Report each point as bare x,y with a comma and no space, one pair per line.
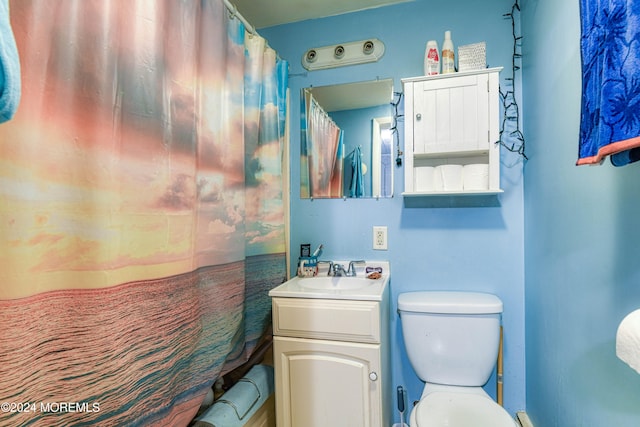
448,55
431,59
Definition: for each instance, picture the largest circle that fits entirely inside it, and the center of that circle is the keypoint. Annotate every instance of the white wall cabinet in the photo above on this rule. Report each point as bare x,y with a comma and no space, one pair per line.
331,362
452,119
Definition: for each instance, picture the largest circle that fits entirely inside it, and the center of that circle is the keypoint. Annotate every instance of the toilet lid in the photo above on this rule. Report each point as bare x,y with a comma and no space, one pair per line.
461,410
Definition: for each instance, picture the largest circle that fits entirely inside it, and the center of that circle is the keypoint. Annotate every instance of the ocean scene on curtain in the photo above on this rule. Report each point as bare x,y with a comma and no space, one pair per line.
138,234
610,48
321,152
266,79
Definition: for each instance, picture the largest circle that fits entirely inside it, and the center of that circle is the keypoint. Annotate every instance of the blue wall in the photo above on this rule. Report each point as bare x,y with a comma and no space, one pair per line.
478,248
582,241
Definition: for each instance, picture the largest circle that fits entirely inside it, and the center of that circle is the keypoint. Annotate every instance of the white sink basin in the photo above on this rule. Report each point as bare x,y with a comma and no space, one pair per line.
330,282
330,287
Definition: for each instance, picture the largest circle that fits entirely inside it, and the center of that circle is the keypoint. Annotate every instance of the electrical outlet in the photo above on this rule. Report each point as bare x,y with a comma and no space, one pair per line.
380,238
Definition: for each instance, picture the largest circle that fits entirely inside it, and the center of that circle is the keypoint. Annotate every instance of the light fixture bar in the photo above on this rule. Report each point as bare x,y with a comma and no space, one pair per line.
339,55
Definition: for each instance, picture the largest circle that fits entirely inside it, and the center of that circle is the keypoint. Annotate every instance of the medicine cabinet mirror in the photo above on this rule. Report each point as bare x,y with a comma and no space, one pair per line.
346,140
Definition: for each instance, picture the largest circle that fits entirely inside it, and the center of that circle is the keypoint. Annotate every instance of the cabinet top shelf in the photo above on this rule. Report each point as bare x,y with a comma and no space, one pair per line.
443,154
450,75
489,192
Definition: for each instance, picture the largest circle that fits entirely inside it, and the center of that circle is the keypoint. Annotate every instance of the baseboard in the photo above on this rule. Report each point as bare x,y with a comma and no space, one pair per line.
523,419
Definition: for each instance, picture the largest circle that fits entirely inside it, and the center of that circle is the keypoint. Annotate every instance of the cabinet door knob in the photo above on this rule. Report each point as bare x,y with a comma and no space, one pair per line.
373,376
418,116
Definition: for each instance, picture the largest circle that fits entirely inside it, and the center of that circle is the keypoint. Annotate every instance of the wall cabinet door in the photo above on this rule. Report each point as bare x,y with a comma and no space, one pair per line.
322,383
451,115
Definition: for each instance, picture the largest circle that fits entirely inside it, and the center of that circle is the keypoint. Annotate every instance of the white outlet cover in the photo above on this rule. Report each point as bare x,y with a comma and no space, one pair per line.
380,238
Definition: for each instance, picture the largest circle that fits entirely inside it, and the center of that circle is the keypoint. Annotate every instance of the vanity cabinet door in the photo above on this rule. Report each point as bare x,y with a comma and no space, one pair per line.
323,383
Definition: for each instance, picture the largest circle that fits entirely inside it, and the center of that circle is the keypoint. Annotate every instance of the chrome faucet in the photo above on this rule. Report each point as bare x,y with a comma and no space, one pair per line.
351,271
339,271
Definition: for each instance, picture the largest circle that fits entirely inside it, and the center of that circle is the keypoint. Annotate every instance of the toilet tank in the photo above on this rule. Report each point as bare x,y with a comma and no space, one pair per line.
451,338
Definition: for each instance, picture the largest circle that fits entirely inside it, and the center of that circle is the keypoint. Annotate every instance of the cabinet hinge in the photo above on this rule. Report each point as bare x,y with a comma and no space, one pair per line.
488,86
488,136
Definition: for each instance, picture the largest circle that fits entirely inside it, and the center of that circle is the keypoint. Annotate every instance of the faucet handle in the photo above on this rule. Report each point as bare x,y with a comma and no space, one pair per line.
351,271
330,266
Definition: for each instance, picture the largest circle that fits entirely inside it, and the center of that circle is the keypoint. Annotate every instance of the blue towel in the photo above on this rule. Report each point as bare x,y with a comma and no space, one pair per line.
610,48
357,180
237,405
9,67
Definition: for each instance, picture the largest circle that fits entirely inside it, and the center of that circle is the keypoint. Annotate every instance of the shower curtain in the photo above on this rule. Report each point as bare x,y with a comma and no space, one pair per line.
141,209
322,152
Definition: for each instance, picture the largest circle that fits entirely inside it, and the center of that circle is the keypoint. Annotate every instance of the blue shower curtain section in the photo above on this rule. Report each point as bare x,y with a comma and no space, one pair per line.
610,48
9,67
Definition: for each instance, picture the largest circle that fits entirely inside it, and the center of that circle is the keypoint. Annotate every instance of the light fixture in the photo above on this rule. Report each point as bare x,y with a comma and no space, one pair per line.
359,52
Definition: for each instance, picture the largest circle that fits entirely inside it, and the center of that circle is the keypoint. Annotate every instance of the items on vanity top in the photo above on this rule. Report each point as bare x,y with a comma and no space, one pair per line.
309,265
452,341
369,283
308,262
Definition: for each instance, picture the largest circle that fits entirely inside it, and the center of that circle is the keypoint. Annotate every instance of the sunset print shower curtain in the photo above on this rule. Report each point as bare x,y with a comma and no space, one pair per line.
322,152
141,209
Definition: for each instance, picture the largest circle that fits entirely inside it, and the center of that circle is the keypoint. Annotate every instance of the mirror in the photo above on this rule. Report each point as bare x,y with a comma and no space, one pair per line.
346,140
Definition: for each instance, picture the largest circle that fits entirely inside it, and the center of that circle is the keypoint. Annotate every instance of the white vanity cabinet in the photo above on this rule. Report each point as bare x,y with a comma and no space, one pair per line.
331,359
451,119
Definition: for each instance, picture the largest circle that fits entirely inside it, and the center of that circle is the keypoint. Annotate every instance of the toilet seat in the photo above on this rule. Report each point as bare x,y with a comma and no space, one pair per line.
440,409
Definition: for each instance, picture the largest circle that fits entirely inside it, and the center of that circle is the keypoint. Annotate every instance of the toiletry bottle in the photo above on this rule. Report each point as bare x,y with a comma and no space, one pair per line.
448,56
431,59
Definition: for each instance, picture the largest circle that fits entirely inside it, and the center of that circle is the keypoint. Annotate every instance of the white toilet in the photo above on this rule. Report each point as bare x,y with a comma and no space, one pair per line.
452,341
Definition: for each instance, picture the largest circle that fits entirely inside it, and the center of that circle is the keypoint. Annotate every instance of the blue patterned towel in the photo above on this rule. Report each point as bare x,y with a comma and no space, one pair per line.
610,47
9,67
237,405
